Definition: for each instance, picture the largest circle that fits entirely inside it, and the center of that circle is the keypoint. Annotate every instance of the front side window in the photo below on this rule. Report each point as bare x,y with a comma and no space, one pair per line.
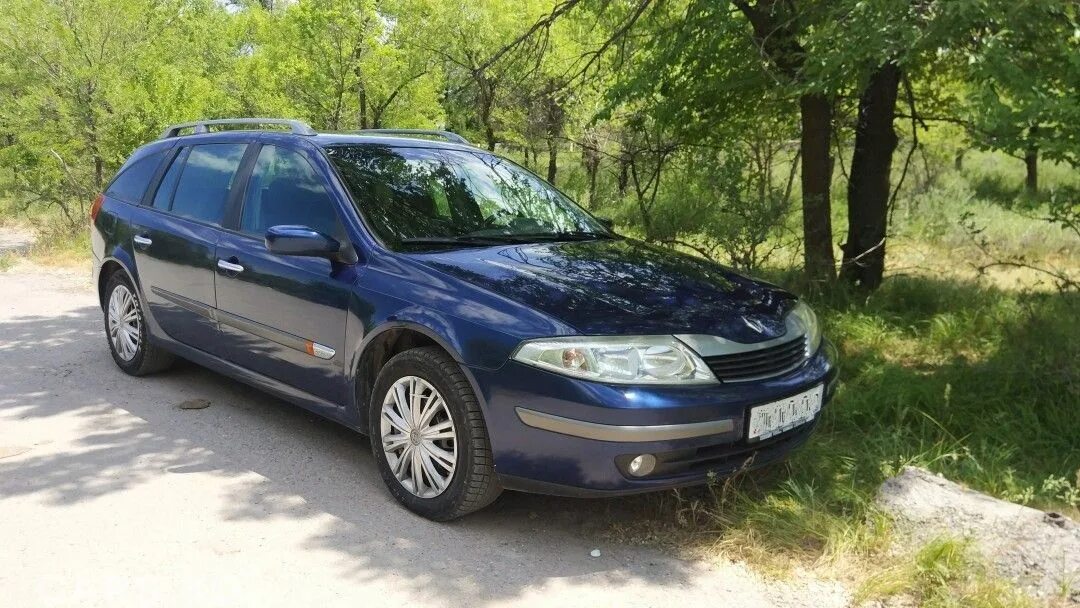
206,181
131,183
423,197
285,190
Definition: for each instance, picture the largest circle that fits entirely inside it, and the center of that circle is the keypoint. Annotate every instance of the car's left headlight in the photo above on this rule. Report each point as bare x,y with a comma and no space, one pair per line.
618,359
804,316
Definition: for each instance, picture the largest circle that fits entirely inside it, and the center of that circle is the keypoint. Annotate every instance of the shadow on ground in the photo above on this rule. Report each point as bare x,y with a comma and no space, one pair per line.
53,366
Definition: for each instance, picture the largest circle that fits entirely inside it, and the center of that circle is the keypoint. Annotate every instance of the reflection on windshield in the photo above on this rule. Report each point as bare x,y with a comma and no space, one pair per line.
422,196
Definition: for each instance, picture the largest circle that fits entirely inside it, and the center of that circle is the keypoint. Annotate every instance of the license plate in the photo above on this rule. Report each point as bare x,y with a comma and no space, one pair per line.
783,415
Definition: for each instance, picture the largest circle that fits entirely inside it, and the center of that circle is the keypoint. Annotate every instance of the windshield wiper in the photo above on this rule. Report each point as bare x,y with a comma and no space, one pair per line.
561,236
466,240
455,241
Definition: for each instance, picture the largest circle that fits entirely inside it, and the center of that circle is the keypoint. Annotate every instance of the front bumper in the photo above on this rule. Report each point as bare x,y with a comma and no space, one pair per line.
559,435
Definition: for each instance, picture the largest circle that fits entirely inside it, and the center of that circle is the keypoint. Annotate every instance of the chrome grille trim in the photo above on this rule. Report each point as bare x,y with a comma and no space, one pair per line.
773,359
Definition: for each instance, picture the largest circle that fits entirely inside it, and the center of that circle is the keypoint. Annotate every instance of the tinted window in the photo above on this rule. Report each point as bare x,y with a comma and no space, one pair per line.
206,181
131,183
164,193
412,196
284,189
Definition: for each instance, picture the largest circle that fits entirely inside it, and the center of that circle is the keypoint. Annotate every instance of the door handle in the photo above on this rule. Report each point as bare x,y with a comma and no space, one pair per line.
229,266
142,241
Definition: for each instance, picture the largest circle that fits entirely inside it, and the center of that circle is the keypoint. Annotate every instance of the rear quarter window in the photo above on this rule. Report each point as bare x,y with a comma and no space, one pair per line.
163,196
131,182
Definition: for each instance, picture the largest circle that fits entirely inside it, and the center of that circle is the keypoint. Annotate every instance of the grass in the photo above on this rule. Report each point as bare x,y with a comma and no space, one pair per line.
942,574
62,250
974,377
975,382
57,245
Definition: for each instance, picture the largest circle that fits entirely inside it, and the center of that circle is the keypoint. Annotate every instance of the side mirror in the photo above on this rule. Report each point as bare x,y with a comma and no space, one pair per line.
303,241
606,222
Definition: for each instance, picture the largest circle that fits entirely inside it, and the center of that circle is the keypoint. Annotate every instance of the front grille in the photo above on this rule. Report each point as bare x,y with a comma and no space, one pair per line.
759,364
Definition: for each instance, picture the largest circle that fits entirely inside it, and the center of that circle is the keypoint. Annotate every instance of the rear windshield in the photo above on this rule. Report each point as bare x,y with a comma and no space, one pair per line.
414,197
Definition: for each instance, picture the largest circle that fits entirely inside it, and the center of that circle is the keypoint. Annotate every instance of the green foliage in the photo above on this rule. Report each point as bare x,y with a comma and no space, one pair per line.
343,65
1026,57
79,90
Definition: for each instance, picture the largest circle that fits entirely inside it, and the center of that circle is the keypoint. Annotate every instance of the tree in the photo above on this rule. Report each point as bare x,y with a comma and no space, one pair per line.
777,28
1023,66
84,90
461,35
706,66
341,64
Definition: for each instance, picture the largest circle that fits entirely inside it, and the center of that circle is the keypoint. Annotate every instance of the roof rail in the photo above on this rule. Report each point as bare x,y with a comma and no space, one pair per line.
203,126
447,135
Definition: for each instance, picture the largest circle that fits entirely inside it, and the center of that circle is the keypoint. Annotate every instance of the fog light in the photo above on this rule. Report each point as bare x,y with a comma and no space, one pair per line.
642,465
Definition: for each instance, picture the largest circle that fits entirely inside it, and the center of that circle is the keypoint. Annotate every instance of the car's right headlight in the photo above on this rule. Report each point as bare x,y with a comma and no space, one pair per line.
804,316
618,359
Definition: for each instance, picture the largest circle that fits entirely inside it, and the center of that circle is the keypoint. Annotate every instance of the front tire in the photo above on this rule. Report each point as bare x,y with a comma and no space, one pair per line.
125,330
429,438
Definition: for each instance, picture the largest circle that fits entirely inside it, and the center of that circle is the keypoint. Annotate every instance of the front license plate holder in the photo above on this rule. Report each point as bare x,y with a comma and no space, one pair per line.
782,415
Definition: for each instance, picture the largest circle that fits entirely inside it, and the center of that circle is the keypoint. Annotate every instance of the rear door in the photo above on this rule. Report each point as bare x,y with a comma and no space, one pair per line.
175,237
284,316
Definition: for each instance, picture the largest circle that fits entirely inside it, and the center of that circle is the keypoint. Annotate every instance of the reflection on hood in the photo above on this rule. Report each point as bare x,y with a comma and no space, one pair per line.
624,287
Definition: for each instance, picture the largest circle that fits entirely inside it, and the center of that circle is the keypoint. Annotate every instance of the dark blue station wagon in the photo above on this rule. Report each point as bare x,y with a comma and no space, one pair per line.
483,330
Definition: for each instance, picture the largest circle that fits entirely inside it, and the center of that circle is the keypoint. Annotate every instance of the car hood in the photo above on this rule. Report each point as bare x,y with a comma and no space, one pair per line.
622,286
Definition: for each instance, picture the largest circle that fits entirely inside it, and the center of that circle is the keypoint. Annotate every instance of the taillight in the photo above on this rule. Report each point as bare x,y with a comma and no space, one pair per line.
96,207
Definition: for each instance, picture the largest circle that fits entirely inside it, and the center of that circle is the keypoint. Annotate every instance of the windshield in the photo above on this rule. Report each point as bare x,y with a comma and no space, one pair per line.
423,198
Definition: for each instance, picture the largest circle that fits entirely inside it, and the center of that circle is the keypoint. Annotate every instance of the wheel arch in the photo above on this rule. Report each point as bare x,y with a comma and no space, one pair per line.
109,267
390,339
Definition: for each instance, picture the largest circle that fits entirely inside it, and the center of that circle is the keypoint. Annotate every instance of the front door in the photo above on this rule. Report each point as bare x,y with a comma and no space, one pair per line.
175,237
284,316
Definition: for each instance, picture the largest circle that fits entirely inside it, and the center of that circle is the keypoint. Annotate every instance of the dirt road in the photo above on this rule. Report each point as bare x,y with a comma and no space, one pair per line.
111,495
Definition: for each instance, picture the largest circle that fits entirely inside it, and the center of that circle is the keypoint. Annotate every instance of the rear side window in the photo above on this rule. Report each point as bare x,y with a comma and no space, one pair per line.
206,181
284,189
130,185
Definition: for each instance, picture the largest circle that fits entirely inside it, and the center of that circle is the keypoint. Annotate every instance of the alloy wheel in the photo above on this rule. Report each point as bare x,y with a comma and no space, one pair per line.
125,323
418,437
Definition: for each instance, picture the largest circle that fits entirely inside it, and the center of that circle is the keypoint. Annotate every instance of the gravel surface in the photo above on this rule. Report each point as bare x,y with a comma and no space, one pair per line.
15,241
112,494
1038,551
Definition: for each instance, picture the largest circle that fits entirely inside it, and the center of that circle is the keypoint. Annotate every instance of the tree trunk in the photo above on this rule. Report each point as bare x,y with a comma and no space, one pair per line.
776,32
592,171
816,113
554,119
1031,162
590,157
361,94
14,166
1031,180
869,182
553,160
485,117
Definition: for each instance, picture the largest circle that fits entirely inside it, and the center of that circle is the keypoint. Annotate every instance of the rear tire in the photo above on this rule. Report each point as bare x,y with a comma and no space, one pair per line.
414,454
126,333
